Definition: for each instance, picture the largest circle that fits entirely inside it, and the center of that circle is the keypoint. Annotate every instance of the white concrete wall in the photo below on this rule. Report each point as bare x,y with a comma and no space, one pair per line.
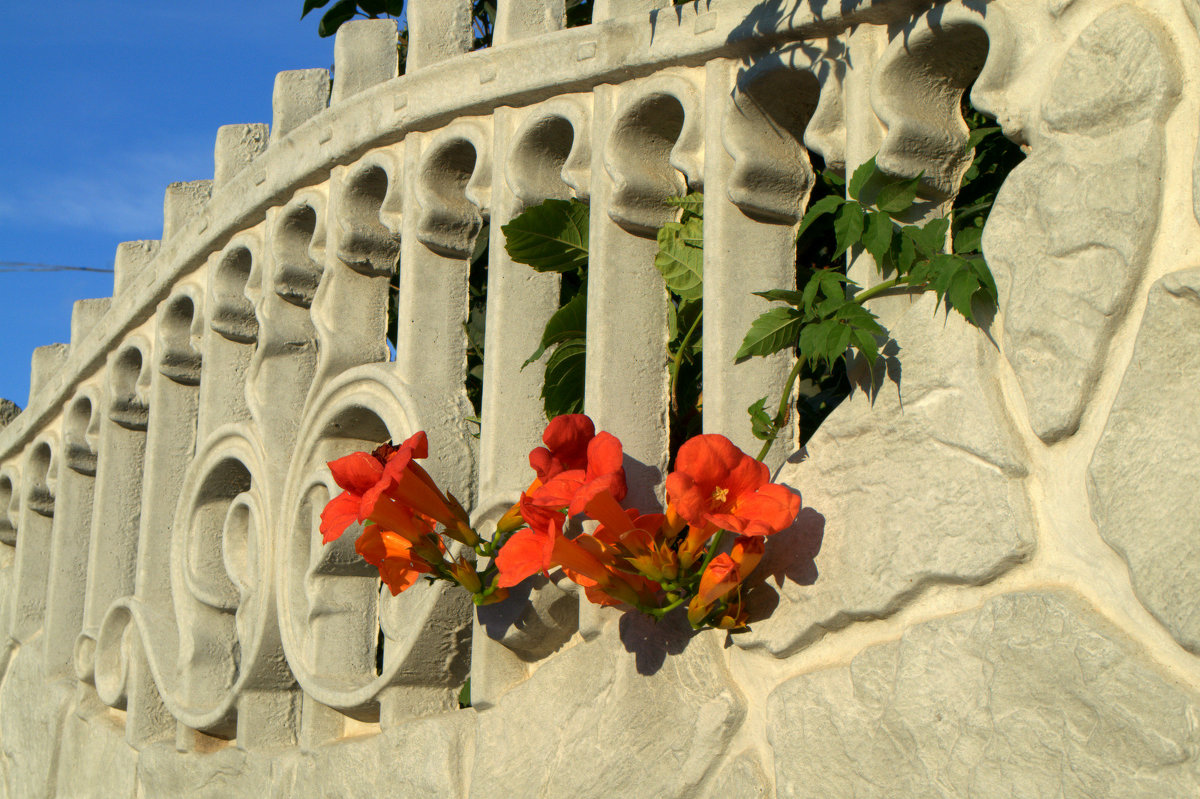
991,591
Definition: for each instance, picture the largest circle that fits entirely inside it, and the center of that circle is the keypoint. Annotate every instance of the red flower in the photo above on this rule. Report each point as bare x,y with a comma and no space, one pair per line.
357,473
566,438
405,484
394,555
721,577
715,483
578,465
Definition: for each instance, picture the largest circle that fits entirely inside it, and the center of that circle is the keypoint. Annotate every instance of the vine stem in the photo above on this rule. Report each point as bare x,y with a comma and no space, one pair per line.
784,401
678,359
876,290
780,414
713,545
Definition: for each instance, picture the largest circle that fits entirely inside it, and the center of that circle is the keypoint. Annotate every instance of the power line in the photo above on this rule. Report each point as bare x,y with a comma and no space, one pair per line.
29,266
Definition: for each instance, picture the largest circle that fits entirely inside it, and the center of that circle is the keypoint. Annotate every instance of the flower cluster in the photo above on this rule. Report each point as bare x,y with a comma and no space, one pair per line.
654,562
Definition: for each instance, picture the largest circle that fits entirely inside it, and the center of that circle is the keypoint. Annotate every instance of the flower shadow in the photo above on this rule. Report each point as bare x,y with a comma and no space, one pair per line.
650,641
791,555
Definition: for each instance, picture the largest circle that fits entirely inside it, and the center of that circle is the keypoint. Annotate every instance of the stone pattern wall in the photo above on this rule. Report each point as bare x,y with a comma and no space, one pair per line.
990,592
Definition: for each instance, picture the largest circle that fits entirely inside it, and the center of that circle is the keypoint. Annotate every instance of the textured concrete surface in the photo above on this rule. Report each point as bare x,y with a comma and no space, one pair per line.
1145,471
989,592
915,483
1034,694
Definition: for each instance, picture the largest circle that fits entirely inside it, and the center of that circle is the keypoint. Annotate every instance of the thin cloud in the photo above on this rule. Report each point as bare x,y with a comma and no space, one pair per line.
122,195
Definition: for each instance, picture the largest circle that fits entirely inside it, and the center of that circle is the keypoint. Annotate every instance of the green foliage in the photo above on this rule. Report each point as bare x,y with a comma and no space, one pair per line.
345,10
680,256
553,237
550,237
568,323
826,318
476,317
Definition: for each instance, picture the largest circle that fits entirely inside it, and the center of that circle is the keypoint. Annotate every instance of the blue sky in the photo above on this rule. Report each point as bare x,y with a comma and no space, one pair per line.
105,103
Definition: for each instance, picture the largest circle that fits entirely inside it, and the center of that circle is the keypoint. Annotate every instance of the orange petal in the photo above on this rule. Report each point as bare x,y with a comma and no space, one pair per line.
524,555
339,513
357,472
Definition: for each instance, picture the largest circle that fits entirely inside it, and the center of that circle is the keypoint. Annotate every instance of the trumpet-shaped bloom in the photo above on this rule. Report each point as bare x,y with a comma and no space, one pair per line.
357,473
571,490
407,484
721,577
566,438
716,484
398,563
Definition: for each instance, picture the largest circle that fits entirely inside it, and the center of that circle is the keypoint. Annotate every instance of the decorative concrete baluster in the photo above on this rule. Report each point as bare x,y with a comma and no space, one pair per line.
542,149
170,445
281,371
229,341
437,30
171,441
540,146
864,134
451,174
298,96
112,553
72,525
520,19
757,180
650,131
33,544
10,519
10,504
349,309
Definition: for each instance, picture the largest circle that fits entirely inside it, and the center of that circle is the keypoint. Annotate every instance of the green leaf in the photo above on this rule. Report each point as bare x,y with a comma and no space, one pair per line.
986,282
832,178
861,175
760,421
809,295
680,257
979,134
395,7
864,342
771,332
340,12
930,239
969,239
568,322
691,203
962,288
943,269
550,237
838,341
373,7
833,286
814,341
562,391
859,317
309,5
877,238
847,227
897,197
908,254
688,314
795,298
825,205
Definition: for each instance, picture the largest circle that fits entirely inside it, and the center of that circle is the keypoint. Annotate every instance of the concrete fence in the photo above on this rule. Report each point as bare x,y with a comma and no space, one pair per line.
992,590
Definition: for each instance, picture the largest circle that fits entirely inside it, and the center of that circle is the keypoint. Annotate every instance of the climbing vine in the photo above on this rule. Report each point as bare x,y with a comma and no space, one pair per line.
824,320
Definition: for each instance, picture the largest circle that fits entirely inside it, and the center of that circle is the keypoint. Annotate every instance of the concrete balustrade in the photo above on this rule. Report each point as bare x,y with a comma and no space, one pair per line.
988,593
